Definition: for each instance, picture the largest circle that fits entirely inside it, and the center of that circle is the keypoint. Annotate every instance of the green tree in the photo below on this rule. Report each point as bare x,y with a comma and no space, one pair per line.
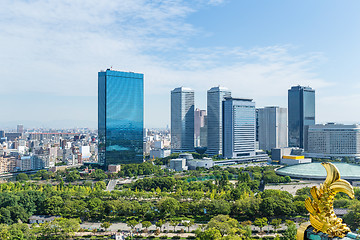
352,218
160,223
224,224
59,229
4,232
290,232
275,223
100,185
72,176
22,177
105,225
168,206
146,225
132,223
260,222
174,223
188,224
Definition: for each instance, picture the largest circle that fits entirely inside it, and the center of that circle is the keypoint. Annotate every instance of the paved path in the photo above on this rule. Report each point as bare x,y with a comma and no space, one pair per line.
123,227
111,185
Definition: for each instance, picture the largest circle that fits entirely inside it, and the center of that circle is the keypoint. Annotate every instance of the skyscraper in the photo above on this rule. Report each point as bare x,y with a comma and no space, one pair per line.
199,122
120,117
20,128
182,120
215,97
272,128
301,114
239,128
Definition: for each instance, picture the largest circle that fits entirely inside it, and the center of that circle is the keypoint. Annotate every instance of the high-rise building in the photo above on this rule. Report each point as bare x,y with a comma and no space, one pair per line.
20,128
215,97
301,114
239,127
182,120
199,122
203,133
2,133
120,117
272,128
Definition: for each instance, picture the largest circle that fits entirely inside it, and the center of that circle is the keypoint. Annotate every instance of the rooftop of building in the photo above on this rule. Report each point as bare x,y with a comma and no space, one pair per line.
332,125
218,89
182,89
298,88
239,99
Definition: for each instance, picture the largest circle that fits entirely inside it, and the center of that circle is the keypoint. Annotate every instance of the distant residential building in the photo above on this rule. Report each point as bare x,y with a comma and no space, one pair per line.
215,97
239,127
178,164
182,120
11,136
301,114
7,164
334,140
120,117
199,122
272,127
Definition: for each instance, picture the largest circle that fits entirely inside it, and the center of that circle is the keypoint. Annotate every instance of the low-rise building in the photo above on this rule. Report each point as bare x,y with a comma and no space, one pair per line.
198,163
178,164
334,140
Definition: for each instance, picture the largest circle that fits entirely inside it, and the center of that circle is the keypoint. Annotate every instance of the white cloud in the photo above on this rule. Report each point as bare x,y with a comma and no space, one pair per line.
57,47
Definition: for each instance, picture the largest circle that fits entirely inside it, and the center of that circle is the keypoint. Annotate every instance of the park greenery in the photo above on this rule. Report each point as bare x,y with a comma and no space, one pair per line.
227,200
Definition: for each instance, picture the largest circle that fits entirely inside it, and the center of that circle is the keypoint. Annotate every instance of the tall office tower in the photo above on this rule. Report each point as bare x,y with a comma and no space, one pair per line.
120,117
215,97
182,120
301,114
199,122
239,128
203,133
272,128
20,128
2,133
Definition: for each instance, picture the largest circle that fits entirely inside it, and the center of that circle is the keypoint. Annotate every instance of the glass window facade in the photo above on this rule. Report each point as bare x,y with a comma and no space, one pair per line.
239,127
301,114
120,117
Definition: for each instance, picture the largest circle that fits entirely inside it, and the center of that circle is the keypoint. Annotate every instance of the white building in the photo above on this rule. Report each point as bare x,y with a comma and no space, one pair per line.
178,164
215,97
239,128
273,131
182,120
334,140
159,153
195,163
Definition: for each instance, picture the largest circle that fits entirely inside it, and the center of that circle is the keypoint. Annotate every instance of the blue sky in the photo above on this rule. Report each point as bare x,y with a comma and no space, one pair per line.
51,51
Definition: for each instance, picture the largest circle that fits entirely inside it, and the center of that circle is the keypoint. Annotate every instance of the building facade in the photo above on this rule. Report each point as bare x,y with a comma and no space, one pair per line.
215,98
334,140
182,120
273,133
199,122
120,117
239,128
301,114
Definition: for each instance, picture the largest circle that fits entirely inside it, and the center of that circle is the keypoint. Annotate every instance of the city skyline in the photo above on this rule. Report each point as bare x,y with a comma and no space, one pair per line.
257,49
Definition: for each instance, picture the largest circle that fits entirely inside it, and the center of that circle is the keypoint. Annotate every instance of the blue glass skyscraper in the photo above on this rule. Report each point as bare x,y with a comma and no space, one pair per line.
120,117
301,114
